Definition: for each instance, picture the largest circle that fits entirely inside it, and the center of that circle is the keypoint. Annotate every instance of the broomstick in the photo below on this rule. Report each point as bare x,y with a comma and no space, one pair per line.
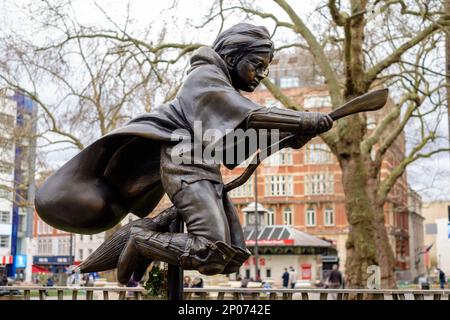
107,255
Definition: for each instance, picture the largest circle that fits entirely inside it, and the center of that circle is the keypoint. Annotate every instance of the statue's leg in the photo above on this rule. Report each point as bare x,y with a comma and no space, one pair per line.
237,237
206,246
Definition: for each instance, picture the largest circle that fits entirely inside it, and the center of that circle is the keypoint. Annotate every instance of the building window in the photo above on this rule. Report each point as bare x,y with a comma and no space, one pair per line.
273,103
279,185
287,216
289,82
7,119
268,273
282,157
312,102
329,217
4,192
81,237
246,190
91,237
40,246
4,241
80,253
371,122
4,217
49,247
45,247
63,247
6,167
247,273
317,153
311,216
270,217
319,183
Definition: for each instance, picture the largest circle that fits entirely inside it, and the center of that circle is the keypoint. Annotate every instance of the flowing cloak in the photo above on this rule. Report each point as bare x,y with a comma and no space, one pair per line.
120,172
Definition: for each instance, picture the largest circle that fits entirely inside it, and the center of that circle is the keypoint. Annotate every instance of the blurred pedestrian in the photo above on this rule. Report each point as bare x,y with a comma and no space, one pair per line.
187,282
285,278
244,282
4,280
441,278
50,282
197,283
335,280
292,277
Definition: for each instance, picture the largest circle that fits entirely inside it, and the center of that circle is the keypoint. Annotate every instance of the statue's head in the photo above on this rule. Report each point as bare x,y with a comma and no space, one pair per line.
247,51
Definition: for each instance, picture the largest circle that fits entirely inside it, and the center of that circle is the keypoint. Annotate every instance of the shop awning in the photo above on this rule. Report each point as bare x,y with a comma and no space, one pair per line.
276,235
38,269
6,260
281,239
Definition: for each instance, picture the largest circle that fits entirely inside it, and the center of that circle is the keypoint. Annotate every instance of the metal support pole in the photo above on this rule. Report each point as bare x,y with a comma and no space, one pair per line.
71,255
256,226
175,273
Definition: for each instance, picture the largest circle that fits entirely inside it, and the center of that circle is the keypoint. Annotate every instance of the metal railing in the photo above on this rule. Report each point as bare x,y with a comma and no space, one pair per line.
216,293
71,293
313,294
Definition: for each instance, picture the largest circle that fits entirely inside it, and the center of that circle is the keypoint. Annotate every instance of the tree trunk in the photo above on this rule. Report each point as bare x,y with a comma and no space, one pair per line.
385,254
361,242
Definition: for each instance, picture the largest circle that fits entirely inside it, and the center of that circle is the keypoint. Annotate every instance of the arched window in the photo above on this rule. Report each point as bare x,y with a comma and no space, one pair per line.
287,216
311,216
270,217
329,217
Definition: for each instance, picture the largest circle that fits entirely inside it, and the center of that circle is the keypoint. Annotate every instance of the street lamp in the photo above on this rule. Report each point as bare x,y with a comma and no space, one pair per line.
253,213
256,226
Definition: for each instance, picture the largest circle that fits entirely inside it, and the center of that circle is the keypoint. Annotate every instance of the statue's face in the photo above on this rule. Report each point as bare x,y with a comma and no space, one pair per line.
250,70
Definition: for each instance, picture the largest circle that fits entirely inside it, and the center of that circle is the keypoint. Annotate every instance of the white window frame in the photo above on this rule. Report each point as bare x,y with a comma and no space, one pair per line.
244,191
310,213
289,82
319,183
270,217
279,185
288,216
329,212
5,217
317,153
312,102
281,158
5,193
4,241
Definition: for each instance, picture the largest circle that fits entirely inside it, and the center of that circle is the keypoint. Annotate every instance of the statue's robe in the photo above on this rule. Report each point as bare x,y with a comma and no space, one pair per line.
120,173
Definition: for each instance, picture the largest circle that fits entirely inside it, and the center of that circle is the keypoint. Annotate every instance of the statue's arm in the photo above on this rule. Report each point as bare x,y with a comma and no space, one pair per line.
286,120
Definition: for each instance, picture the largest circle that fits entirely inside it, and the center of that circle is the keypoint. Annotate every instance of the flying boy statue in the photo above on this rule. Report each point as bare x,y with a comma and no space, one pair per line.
131,168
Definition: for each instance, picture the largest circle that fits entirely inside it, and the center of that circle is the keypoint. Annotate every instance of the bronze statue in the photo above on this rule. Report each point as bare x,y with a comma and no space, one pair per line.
131,168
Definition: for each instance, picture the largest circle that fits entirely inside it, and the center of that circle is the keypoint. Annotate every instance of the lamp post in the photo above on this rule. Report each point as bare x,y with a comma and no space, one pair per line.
256,226
71,255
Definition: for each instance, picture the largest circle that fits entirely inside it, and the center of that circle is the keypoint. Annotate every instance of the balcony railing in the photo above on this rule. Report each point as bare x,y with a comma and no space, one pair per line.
217,293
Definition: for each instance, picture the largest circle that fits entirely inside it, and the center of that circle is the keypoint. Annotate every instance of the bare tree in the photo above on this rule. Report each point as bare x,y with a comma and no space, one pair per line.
381,43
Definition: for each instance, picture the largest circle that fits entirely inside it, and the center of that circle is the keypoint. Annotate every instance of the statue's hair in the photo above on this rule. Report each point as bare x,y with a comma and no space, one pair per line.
242,39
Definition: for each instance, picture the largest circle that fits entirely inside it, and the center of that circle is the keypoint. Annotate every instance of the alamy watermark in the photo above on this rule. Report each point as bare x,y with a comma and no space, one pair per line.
213,146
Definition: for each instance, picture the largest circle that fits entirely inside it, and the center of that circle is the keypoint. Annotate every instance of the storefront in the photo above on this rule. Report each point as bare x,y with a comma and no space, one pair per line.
56,264
4,262
281,247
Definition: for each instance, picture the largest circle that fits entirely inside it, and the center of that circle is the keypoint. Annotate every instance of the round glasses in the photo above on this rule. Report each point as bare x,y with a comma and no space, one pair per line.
259,68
